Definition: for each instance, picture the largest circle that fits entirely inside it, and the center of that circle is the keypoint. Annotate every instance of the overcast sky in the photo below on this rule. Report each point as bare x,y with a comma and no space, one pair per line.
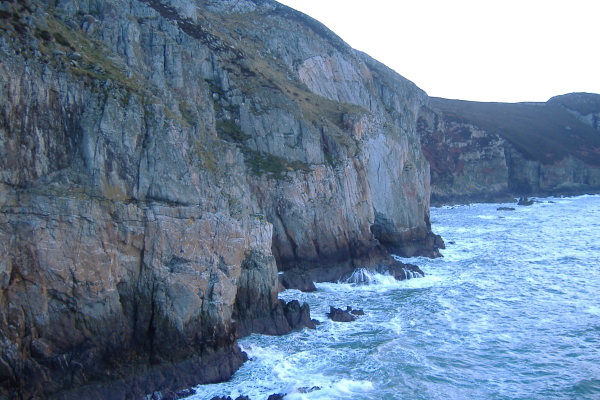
482,50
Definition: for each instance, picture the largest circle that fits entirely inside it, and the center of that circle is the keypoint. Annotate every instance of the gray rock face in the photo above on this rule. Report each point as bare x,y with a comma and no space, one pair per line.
496,151
159,160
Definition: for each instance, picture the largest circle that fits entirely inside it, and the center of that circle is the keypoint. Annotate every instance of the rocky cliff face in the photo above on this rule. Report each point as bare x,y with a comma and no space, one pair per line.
160,160
495,151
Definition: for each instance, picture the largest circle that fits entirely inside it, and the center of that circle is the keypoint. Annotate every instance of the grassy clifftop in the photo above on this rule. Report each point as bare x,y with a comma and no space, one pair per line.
544,132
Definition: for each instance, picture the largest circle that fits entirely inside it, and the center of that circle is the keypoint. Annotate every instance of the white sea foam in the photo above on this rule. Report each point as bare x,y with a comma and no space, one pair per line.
595,310
342,389
380,283
512,302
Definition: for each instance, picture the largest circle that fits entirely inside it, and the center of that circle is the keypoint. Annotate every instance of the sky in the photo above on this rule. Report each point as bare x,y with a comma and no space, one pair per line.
480,50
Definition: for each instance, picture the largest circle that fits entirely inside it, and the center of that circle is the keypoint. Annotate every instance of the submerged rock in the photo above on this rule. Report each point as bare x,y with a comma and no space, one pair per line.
402,271
297,279
524,201
305,280
354,312
276,396
308,389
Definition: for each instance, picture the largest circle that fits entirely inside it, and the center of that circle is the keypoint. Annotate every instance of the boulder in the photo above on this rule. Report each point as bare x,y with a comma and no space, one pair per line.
339,315
354,312
524,201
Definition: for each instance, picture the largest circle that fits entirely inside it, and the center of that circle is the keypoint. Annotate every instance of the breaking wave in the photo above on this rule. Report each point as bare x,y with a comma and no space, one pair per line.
509,312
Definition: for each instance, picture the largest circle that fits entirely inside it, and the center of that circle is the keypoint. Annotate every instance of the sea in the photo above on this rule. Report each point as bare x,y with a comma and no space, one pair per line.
511,311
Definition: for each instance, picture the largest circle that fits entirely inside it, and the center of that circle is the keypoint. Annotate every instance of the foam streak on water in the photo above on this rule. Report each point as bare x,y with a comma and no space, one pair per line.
512,311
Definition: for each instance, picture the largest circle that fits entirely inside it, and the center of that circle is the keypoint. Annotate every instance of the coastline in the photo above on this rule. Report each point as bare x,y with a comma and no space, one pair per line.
403,340
438,201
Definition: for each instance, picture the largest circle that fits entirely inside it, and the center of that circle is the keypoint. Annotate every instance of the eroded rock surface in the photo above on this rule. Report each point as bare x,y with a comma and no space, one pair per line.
160,160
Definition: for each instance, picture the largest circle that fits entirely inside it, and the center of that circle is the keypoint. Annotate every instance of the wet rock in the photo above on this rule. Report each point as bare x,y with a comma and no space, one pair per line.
426,244
401,271
297,279
277,396
297,316
185,393
354,312
339,315
524,201
505,209
283,317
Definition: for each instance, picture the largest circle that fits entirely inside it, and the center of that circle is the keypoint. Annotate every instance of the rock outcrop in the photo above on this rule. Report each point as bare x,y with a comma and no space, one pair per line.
160,160
496,151
339,315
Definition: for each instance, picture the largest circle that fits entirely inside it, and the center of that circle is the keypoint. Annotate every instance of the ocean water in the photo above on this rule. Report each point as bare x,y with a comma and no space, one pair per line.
512,311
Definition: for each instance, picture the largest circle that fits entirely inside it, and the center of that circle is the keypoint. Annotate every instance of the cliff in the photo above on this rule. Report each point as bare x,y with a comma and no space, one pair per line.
160,161
495,151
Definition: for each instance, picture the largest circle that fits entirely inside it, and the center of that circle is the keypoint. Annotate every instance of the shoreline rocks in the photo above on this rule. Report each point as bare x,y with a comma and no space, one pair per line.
276,396
284,318
339,315
347,315
304,280
525,201
505,209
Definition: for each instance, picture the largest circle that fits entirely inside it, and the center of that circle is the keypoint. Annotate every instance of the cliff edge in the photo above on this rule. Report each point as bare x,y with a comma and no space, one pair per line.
161,160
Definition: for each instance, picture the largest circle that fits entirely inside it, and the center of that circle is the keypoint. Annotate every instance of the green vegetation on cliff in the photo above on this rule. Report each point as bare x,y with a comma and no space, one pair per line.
544,132
491,151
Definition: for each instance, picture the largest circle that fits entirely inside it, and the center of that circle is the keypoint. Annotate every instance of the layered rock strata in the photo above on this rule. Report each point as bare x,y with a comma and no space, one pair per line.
160,160
497,151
